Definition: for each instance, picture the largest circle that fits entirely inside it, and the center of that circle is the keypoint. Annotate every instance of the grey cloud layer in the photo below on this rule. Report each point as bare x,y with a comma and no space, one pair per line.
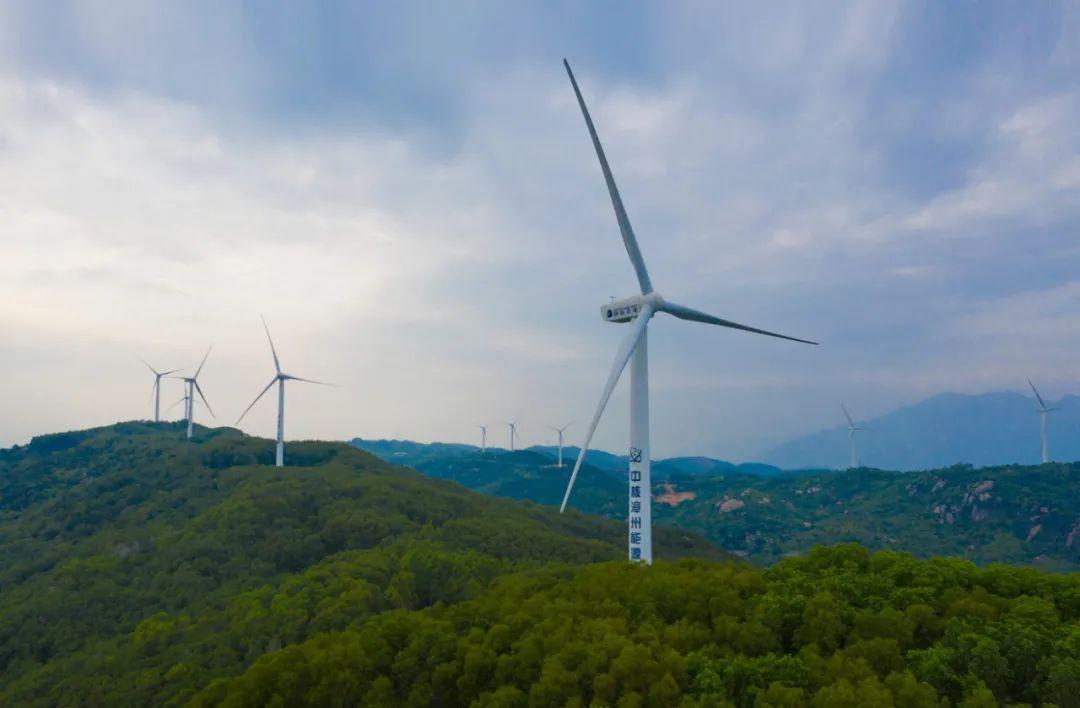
437,239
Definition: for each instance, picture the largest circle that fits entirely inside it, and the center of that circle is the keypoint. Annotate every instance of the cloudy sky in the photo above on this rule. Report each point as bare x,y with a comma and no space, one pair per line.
408,194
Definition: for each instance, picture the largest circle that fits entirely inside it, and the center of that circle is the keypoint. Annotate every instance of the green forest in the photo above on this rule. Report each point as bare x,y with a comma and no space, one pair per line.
143,569
1011,514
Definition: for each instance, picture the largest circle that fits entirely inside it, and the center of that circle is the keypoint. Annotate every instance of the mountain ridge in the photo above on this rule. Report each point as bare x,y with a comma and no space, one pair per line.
983,430
1030,514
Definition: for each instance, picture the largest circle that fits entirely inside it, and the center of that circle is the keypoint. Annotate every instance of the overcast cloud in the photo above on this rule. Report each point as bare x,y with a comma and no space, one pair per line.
408,194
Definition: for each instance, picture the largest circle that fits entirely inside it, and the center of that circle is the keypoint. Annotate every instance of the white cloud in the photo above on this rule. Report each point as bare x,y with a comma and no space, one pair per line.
457,283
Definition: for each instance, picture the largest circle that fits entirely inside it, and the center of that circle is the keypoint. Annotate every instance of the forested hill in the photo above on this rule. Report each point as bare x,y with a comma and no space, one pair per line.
1013,514
138,567
838,628
143,569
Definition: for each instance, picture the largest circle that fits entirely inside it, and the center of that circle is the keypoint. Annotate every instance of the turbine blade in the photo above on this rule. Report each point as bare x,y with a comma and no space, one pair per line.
626,349
321,383
203,397
850,422
688,313
277,364
176,404
149,367
166,373
261,394
629,240
1041,404
197,371
154,388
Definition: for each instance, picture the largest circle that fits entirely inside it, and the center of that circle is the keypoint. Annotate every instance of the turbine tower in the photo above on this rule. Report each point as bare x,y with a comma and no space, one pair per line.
483,438
192,387
560,431
638,310
156,391
513,433
280,378
1044,411
851,430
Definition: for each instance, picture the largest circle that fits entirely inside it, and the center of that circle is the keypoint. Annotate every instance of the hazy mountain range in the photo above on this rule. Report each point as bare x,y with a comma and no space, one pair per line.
981,430
415,455
950,428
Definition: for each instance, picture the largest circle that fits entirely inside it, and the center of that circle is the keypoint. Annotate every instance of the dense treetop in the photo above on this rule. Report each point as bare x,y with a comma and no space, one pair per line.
841,627
102,531
143,569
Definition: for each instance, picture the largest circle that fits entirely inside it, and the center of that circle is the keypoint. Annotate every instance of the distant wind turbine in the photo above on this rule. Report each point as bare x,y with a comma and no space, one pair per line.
1044,411
637,309
560,431
192,387
483,438
513,433
280,378
183,400
156,391
852,429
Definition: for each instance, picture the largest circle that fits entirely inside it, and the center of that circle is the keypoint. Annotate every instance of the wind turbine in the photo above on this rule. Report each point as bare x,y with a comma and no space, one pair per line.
280,378
637,309
1043,412
192,386
182,400
560,431
852,429
513,433
483,438
156,391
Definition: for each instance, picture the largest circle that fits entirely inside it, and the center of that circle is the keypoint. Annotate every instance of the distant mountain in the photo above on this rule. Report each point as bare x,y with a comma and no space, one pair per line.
414,454
1013,514
951,428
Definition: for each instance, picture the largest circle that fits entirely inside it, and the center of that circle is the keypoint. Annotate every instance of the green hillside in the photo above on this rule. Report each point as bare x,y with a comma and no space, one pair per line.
139,566
142,569
522,474
838,628
1013,514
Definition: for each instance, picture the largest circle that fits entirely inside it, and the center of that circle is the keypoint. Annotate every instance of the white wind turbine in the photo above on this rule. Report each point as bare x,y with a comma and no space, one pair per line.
156,391
852,429
560,431
513,433
191,384
280,378
637,309
1044,411
483,438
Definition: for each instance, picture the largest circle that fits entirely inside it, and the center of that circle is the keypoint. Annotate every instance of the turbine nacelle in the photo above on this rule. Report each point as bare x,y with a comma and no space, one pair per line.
628,308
